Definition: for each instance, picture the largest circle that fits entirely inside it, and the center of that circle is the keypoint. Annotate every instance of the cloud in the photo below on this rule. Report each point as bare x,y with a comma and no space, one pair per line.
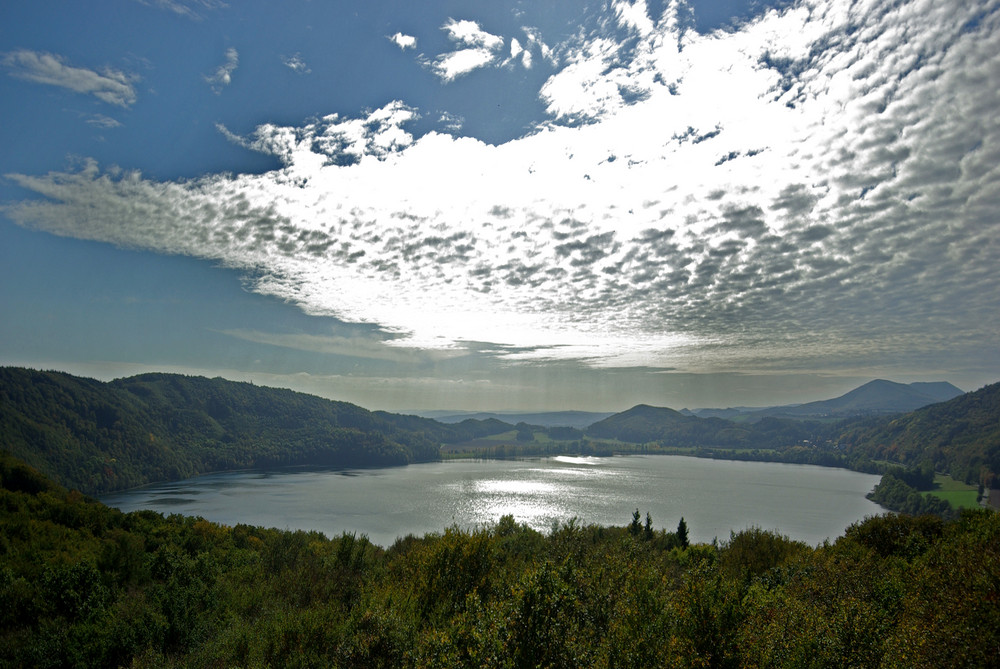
451,122
296,64
102,121
470,34
372,348
187,8
450,66
110,86
479,49
853,219
404,42
222,76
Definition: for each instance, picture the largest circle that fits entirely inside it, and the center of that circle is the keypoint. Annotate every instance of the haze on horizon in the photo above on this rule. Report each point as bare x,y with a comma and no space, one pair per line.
519,207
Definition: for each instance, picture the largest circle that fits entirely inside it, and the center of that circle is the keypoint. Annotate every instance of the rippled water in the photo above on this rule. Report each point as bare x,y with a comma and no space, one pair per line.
714,496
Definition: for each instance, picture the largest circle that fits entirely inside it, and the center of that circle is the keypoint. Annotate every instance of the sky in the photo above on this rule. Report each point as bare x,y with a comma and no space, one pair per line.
504,205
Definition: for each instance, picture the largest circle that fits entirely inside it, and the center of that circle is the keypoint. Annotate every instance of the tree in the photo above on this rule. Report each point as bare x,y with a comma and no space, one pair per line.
682,533
635,526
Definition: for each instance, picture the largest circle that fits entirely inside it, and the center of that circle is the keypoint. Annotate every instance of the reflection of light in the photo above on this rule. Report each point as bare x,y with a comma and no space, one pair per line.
534,502
516,487
576,460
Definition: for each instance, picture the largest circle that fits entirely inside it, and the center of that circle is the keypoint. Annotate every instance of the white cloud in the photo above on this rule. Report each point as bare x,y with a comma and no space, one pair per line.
534,41
296,64
372,348
470,34
404,42
820,184
451,122
450,66
480,49
111,86
223,75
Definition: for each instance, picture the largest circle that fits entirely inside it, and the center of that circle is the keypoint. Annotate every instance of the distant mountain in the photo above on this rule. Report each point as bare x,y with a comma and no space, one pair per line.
99,437
577,419
960,436
875,397
641,423
728,414
645,424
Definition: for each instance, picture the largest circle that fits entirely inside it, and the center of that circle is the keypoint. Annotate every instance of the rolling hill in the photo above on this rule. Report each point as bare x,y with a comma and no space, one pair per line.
100,437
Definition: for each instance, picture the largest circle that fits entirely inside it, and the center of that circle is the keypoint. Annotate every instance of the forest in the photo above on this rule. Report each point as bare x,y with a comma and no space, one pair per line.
99,437
86,585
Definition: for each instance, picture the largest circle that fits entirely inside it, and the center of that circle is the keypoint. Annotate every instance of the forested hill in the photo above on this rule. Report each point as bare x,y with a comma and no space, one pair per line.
960,436
100,437
644,423
669,428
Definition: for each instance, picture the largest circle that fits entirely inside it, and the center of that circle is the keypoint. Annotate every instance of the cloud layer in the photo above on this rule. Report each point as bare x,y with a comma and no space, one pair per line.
822,182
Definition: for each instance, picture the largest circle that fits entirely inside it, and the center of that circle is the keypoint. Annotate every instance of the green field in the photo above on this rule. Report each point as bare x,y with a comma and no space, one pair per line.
958,494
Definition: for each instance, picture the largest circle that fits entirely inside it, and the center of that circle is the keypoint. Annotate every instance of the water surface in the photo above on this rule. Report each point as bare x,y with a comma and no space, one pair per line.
804,502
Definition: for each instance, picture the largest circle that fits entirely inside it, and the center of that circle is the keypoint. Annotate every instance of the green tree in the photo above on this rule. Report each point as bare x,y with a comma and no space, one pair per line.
635,527
682,533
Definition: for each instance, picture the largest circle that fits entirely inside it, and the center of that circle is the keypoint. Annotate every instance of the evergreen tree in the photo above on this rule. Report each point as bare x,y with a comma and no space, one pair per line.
682,533
635,526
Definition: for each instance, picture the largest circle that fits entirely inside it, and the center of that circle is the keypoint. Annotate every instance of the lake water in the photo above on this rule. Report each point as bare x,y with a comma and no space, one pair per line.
714,496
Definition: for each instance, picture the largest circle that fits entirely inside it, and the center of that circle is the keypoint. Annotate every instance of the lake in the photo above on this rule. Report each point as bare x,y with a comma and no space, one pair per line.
804,502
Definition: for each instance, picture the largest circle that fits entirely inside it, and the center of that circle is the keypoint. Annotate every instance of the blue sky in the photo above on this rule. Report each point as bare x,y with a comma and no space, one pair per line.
504,205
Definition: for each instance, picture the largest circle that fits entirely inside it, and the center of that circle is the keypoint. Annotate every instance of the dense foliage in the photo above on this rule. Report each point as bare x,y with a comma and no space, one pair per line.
895,493
85,585
98,437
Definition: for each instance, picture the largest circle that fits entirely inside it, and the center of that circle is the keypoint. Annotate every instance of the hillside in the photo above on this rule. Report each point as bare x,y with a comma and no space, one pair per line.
669,428
644,423
960,436
100,437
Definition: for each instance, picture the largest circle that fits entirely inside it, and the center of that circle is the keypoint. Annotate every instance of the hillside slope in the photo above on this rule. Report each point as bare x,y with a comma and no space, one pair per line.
960,436
100,437
669,428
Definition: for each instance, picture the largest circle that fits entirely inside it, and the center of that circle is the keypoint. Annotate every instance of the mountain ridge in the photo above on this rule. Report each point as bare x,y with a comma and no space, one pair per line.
878,396
100,437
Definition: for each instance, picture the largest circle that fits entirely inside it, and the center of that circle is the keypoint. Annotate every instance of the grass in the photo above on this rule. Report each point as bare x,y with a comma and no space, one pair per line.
958,494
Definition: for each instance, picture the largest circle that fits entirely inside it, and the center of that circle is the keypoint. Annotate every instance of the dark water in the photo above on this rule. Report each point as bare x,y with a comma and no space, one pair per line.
714,496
